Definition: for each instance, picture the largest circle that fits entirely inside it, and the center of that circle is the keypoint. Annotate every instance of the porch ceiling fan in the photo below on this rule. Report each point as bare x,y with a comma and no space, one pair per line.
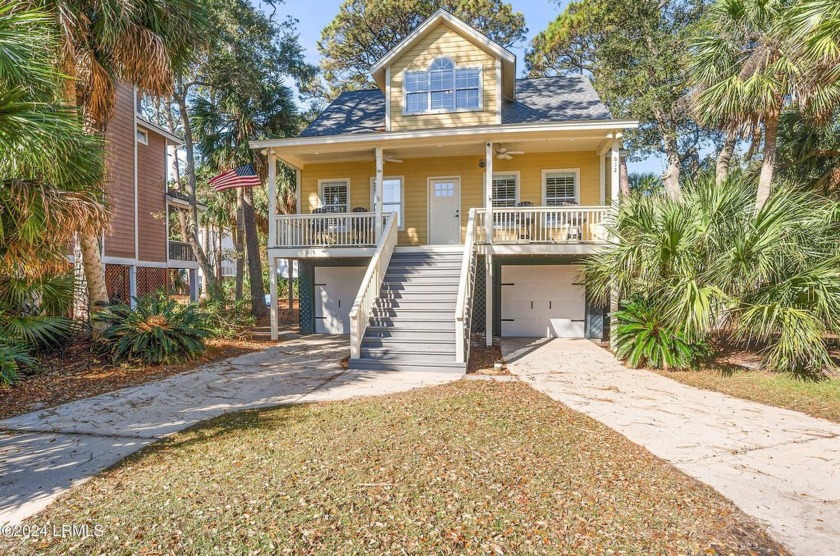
392,159
502,153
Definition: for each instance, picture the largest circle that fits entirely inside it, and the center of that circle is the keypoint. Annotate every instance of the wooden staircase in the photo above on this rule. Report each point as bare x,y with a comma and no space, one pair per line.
412,324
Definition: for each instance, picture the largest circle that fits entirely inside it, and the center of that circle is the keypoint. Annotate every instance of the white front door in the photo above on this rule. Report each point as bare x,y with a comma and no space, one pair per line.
543,301
335,291
444,211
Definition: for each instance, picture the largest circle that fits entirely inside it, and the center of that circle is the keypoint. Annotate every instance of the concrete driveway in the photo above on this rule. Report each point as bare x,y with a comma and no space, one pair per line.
780,466
43,454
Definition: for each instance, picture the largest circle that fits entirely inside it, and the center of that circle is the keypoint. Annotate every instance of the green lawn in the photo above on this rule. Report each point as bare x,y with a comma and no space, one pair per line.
472,467
819,398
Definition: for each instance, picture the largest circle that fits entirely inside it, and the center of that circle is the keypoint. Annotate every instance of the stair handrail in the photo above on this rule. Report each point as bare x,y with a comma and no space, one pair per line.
371,284
464,302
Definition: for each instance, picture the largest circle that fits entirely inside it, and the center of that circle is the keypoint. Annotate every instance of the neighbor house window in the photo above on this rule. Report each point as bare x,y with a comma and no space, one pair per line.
505,190
335,195
392,197
560,187
143,136
443,88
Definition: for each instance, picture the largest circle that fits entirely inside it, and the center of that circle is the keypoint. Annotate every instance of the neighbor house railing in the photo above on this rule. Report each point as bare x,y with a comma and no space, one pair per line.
543,224
351,229
371,284
466,286
181,251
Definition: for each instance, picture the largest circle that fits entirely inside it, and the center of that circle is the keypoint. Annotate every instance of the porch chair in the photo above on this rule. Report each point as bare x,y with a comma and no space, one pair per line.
318,227
559,227
362,228
514,227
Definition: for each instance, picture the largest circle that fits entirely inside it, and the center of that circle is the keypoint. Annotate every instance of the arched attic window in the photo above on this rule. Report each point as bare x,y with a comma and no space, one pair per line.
442,88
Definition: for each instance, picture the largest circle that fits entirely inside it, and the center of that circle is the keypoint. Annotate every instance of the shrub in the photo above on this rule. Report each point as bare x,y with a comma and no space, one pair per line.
226,320
644,339
13,355
157,330
769,280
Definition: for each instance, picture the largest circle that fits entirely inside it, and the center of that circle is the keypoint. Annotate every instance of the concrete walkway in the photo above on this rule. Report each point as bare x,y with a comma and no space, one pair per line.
43,454
780,466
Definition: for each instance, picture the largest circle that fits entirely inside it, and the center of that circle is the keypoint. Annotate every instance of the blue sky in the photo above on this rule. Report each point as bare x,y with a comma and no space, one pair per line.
314,15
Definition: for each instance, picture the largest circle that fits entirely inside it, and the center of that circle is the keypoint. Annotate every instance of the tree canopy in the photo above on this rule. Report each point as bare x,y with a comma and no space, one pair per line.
637,56
365,30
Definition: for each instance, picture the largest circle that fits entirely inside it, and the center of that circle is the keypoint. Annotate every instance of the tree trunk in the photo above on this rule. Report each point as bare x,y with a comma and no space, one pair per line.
94,273
239,241
218,251
725,157
671,177
211,285
94,270
624,178
765,180
252,241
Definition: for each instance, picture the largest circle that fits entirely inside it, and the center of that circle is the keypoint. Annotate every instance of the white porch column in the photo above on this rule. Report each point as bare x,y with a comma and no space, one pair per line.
377,194
272,198
297,191
488,299
488,233
488,192
603,176
272,285
615,179
615,169
193,273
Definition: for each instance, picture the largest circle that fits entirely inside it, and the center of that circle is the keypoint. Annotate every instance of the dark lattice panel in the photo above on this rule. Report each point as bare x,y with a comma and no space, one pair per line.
306,297
150,280
117,283
479,298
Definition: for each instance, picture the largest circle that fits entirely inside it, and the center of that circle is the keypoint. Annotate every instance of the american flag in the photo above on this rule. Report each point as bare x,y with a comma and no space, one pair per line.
241,176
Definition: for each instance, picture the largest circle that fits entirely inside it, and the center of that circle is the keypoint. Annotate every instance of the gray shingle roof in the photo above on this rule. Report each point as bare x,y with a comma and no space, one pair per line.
566,98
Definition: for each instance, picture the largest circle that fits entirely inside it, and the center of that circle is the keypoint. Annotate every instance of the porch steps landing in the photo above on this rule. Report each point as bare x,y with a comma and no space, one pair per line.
412,327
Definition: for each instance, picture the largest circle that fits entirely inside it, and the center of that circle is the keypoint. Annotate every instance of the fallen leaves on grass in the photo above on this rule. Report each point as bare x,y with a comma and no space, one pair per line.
472,467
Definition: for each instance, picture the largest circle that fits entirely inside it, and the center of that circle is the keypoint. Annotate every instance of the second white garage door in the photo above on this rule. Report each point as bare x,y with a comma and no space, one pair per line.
335,290
543,301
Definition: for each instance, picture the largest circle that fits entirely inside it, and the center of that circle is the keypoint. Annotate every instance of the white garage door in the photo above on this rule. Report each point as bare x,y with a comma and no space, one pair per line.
335,290
542,301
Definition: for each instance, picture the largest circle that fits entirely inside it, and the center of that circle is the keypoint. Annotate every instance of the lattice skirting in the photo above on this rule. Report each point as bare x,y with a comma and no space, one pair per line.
117,283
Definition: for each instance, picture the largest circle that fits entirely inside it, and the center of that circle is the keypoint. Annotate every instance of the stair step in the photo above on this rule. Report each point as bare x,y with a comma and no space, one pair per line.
408,365
419,355
431,322
420,292
414,335
418,289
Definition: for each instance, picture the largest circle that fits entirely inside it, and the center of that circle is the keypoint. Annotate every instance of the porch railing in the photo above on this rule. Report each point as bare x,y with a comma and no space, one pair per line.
466,286
352,229
544,225
371,284
181,251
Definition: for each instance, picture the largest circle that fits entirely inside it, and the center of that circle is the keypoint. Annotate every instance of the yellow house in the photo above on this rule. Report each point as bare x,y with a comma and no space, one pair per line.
451,201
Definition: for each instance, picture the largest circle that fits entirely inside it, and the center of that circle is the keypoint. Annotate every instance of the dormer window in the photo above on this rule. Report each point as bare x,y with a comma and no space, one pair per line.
443,88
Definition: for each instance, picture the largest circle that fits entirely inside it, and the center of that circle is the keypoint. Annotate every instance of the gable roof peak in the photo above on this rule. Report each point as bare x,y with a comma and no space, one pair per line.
507,58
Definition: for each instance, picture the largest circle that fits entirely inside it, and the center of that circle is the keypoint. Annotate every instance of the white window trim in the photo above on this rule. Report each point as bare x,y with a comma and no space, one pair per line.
575,171
144,134
331,180
407,112
402,197
510,173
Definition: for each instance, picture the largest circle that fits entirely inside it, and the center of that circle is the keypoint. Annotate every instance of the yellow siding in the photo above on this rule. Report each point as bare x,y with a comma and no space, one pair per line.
443,41
416,172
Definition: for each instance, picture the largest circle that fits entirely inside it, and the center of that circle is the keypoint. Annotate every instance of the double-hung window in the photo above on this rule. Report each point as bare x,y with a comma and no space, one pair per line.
392,197
335,195
560,187
443,88
505,189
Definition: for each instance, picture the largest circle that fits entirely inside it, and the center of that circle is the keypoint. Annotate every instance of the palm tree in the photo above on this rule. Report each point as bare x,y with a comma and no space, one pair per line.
42,197
759,56
709,263
141,42
224,122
